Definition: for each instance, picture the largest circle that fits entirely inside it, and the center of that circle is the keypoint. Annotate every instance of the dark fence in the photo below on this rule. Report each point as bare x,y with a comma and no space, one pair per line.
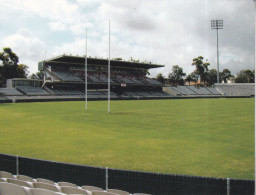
131,181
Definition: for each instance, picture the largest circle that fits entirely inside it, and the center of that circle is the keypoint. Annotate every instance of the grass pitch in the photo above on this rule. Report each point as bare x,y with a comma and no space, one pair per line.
206,137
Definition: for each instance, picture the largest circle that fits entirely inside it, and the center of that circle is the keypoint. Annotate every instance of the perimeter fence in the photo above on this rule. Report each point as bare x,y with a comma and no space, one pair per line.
131,181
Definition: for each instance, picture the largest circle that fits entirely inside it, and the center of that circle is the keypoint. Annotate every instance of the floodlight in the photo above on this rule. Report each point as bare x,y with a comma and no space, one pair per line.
217,24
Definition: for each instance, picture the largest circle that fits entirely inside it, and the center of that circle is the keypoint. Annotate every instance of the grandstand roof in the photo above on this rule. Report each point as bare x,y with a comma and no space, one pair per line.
80,60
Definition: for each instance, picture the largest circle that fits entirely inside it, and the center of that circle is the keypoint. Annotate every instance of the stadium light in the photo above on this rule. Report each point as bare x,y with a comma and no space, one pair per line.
217,24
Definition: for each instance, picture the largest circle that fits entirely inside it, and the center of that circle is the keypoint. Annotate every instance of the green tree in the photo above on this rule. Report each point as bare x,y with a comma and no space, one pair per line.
225,75
245,76
9,67
22,71
176,76
192,77
8,57
211,77
160,78
37,75
201,68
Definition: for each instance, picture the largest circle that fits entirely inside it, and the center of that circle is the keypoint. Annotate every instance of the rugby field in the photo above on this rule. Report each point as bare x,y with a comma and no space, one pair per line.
206,137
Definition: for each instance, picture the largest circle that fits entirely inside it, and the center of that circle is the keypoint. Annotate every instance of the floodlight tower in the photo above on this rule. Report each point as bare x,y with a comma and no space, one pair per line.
217,24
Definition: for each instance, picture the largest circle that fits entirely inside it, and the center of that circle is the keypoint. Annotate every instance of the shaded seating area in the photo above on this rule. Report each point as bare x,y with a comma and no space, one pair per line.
32,90
10,92
65,76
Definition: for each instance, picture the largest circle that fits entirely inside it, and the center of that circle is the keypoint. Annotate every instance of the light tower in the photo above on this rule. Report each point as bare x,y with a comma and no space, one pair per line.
217,24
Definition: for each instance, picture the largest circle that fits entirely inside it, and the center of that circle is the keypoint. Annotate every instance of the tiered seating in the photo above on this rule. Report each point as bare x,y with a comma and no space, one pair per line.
139,82
200,90
125,80
236,89
213,90
10,92
130,93
66,76
143,93
32,90
176,91
187,90
103,78
159,94
24,185
105,94
93,79
152,81
70,92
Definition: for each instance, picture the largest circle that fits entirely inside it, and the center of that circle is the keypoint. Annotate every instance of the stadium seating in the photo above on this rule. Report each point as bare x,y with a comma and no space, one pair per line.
46,186
67,184
25,178
120,192
72,190
152,81
93,79
12,189
20,182
213,91
47,181
10,92
24,185
236,89
39,191
32,90
102,193
186,90
92,188
65,76
4,174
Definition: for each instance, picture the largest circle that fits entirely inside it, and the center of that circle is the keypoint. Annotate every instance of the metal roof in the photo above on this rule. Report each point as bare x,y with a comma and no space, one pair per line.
79,60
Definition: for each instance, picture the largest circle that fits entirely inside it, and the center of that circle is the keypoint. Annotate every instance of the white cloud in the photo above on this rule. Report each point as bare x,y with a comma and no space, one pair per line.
57,26
28,47
166,32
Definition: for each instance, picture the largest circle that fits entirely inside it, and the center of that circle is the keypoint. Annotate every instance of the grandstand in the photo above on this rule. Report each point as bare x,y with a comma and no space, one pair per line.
64,78
236,89
67,73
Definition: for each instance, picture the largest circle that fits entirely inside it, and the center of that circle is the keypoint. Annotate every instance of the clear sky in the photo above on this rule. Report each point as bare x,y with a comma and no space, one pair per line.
169,32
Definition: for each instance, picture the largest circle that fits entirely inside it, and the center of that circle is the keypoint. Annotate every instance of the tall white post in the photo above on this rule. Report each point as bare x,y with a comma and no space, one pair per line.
109,69
85,72
218,71
255,104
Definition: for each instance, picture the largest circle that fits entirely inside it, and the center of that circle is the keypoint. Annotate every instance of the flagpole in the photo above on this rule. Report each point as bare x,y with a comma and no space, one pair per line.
85,72
109,69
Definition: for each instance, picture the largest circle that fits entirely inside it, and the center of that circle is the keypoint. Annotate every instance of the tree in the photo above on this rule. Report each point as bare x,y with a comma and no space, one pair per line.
8,58
160,78
9,67
37,75
192,77
176,76
201,68
245,76
211,77
22,71
225,75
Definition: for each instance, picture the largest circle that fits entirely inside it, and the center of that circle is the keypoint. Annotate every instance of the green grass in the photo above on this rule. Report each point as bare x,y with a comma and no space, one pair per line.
206,137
